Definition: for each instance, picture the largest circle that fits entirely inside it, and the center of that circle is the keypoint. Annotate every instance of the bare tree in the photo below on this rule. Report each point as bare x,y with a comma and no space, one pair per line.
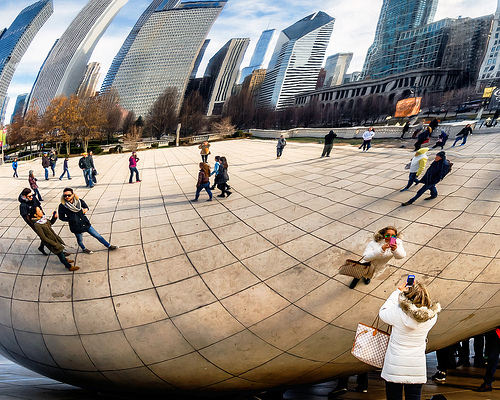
224,127
191,116
162,117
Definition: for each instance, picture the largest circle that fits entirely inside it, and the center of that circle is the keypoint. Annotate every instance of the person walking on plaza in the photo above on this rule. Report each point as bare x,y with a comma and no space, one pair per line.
43,228
439,168
367,139
423,137
65,169
72,210
417,166
132,165
434,124
216,170
33,185
493,345
14,167
222,178
94,171
27,207
53,162
203,182
205,151
280,146
463,135
445,360
46,165
85,165
442,138
328,144
412,314
406,128
385,245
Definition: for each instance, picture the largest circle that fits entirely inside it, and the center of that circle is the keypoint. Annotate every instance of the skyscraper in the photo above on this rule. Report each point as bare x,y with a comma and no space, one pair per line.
296,61
336,67
88,85
222,72
395,17
64,67
20,106
164,53
15,41
259,54
489,72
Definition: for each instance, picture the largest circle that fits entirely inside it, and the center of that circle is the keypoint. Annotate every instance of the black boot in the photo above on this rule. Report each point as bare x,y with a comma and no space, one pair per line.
42,250
353,283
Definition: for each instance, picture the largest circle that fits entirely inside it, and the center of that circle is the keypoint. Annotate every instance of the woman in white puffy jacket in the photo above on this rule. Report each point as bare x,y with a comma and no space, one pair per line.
380,251
412,314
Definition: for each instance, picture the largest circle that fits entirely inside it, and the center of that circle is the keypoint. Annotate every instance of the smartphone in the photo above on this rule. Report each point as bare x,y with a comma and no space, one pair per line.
410,280
392,241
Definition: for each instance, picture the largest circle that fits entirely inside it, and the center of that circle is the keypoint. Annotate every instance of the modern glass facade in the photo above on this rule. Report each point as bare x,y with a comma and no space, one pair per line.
15,41
64,67
336,67
222,72
20,106
164,53
296,61
489,72
396,16
259,54
88,85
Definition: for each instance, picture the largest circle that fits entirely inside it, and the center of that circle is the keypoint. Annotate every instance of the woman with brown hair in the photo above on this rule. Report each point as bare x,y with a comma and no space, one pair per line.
222,177
385,245
412,314
203,181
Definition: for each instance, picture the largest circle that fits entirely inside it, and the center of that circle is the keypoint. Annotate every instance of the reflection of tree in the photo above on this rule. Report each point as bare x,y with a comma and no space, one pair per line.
223,128
191,116
162,117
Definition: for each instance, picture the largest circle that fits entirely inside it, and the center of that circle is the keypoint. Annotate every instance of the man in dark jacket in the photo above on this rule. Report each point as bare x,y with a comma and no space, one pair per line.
463,135
436,172
46,165
328,143
27,207
73,210
86,165
423,137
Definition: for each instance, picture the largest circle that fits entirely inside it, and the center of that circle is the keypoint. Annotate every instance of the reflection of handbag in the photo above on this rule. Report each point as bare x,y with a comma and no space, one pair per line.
354,268
370,344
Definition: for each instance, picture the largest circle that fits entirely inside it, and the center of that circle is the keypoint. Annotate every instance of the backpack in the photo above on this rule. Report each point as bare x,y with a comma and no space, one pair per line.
446,169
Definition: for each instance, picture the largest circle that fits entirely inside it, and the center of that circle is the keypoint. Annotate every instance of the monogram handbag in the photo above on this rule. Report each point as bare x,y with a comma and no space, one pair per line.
354,268
370,344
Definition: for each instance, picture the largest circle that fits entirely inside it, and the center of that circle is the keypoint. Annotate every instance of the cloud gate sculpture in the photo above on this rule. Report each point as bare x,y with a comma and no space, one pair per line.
242,293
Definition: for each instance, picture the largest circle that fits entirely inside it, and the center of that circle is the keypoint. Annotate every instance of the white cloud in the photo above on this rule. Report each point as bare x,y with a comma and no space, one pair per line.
355,23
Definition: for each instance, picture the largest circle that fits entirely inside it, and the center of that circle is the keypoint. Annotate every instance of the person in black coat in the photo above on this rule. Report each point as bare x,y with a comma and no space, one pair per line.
434,124
423,137
73,210
442,138
406,128
436,172
28,204
463,135
328,144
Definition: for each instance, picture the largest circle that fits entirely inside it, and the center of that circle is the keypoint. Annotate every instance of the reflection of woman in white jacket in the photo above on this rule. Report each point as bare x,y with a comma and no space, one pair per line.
380,251
412,314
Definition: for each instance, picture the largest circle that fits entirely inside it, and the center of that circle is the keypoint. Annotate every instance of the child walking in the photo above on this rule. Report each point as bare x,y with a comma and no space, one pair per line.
14,167
203,182
65,169
32,180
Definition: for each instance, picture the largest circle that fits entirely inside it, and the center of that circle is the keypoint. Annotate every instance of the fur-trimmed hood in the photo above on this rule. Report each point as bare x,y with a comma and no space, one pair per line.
419,314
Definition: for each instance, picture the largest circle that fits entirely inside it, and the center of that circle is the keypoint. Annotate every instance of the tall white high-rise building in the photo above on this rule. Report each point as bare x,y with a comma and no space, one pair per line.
222,72
164,53
15,41
336,67
259,54
489,72
296,61
64,67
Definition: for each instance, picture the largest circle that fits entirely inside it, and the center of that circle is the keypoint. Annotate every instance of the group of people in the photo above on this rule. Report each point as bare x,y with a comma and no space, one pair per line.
220,171
72,210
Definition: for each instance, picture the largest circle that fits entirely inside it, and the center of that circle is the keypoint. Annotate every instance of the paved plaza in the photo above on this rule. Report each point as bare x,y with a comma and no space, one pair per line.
242,292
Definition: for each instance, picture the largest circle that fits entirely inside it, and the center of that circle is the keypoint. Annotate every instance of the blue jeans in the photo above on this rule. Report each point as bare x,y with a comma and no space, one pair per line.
412,179
464,140
87,173
206,186
422,190
394,391
91,232
279,151
366,145
46,173
37,194
132,171
66,171
53,168
15,173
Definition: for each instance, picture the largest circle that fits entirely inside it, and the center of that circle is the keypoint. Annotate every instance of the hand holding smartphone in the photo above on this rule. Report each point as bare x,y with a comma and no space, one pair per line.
410,281
392,241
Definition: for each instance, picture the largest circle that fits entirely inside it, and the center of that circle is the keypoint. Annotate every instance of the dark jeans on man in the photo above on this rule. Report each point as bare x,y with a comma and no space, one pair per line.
87,173
493,344
63,259
446,358
66,171
394,391
132,171
326,150
46,173
204,158
464,140
422,190
279,151
412,179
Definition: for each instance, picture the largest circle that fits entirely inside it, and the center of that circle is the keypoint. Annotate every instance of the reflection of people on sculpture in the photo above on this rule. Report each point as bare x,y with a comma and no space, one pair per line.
342,383
43,228
385,245
412,314
27,207
493,348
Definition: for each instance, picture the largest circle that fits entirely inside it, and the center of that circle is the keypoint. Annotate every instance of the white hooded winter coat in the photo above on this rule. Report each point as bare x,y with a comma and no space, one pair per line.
379,258
405,358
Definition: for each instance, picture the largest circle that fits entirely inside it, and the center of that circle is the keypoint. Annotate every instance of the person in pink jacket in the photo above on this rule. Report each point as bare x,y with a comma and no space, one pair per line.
132,165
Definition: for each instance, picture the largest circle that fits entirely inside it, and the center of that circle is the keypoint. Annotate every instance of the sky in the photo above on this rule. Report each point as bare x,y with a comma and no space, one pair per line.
354,29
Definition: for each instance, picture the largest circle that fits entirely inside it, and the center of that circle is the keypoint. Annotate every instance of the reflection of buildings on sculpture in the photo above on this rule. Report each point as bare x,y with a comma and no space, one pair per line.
164,52
253,83
62,71
489,72
20,106
259,54
15,41
352,77
88,85
221,74
336,67
296,61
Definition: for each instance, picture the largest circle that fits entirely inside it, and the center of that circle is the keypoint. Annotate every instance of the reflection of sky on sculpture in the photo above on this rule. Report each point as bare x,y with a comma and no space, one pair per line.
353,31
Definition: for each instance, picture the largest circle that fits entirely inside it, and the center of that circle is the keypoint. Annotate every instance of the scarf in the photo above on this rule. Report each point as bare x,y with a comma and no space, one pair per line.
42,220
76,206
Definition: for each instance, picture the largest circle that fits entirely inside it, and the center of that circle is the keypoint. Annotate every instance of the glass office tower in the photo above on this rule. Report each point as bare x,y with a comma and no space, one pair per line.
259,54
